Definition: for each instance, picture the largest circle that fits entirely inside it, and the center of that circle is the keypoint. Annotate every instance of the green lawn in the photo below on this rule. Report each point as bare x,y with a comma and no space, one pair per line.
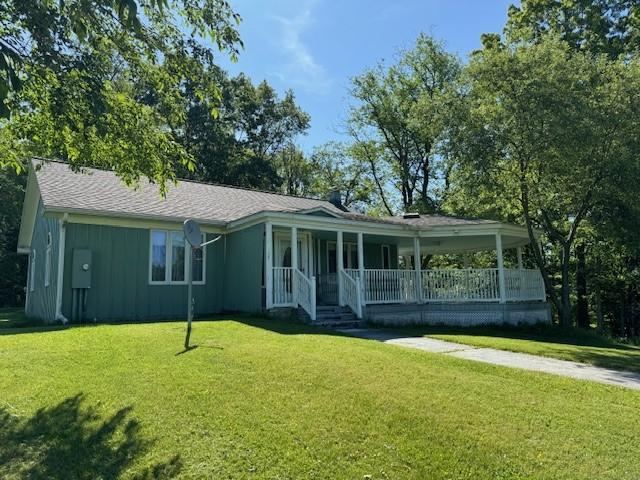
546,340
262,399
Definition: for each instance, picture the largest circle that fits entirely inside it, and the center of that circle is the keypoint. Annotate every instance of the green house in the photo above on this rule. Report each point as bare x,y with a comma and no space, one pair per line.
100,251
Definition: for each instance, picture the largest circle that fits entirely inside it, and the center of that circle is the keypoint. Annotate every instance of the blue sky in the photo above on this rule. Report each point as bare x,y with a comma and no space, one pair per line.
315,46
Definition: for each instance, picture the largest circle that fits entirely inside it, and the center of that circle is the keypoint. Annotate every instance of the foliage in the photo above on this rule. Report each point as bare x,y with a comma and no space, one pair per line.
265,399
249,142
398,122
102,83
610,27
13,266
548,138
335,167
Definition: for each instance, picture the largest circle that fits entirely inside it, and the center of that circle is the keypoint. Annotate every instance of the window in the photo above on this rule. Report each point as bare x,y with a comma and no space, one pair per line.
349,256
47,262
32,272
386,256
167,259
158,256
178,256
198,264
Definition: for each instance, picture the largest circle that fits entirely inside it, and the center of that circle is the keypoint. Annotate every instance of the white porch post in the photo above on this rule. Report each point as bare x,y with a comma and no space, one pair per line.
520,263
501,278
294,263
360,256
339,266
294,248
268,264
361,265
417,263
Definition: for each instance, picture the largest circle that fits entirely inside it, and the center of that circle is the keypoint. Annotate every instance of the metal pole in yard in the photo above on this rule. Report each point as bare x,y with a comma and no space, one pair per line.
189,296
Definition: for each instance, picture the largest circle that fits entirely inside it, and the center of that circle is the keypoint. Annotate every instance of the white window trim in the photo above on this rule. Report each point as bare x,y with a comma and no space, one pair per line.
388,255
32,271
47,262
169,261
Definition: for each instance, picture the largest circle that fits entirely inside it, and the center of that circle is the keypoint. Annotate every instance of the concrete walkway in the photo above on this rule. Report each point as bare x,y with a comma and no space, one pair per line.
524,361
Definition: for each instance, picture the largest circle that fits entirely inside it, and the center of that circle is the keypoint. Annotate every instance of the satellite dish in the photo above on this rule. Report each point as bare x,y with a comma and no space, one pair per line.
192,233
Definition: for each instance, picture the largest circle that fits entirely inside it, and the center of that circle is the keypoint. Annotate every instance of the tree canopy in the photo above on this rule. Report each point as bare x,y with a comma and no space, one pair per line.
102,83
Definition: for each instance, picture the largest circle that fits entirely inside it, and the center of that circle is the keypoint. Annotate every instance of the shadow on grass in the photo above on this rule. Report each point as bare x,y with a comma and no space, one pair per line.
285,327
72,440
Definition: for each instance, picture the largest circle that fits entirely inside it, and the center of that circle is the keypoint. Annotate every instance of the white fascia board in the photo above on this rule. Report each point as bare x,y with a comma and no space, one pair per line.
129,220
321,223
355,226
29,213
475,230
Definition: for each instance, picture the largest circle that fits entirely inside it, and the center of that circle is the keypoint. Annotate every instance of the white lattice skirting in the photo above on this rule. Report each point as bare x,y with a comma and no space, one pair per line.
462,315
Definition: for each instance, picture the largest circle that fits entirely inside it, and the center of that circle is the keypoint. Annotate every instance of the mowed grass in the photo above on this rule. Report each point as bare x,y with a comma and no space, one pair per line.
547,340
263,399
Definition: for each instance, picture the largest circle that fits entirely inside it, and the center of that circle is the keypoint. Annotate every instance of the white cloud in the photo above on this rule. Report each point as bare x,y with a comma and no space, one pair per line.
300,67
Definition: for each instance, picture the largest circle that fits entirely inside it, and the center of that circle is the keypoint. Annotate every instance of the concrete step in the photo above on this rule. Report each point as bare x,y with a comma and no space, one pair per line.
331,316
338,325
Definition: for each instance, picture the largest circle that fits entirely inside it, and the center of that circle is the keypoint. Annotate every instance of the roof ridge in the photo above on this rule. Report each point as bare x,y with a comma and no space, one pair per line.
197,182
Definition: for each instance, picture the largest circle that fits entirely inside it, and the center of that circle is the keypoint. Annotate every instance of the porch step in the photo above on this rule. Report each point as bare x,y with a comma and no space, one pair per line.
331,316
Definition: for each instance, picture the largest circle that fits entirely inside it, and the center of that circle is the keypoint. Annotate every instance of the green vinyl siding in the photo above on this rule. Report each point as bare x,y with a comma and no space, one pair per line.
41,302
244,258
120,288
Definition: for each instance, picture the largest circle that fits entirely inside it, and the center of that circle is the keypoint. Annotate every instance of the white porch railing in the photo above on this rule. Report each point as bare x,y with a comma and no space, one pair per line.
380,286
469,284
524,284
389,286
449,285
282,287
351,292
304,293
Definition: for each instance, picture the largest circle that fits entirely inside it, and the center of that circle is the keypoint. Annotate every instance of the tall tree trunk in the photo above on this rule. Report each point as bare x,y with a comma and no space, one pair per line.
582,306
599,314
565,314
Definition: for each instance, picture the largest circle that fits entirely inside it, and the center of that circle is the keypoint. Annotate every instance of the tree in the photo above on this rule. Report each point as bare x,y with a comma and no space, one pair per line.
336,168
101,83
249,143
397,121
12,265
549,139
610,27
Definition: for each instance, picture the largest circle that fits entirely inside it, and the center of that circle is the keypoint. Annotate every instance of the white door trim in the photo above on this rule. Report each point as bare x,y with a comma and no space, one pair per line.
283,238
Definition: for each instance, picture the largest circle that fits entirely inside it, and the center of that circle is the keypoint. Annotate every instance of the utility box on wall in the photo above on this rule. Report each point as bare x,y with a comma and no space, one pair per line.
81,268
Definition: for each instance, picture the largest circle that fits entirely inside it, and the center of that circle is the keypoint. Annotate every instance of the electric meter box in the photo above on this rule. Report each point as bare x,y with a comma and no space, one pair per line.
81,268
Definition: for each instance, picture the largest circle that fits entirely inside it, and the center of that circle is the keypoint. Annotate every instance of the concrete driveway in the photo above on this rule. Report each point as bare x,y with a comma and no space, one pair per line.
504,358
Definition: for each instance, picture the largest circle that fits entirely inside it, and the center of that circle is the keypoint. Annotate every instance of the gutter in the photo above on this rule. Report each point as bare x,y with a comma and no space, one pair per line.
61,248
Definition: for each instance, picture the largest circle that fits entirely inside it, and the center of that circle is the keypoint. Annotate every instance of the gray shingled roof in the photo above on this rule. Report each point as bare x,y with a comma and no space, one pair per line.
103,192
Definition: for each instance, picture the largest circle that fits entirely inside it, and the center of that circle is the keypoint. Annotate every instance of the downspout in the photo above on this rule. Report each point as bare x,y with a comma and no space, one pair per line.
61,247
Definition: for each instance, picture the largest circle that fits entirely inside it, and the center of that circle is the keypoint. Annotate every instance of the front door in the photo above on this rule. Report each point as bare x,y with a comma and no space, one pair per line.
283,252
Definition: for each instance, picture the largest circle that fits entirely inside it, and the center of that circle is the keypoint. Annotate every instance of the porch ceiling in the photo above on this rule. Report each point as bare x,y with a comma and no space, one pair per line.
445,244
452,244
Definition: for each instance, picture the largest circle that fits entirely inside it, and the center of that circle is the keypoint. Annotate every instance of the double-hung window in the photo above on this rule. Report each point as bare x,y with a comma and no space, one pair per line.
168,259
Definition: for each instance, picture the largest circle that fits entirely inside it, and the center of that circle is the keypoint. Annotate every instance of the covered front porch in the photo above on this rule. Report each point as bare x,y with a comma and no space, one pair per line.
372,271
